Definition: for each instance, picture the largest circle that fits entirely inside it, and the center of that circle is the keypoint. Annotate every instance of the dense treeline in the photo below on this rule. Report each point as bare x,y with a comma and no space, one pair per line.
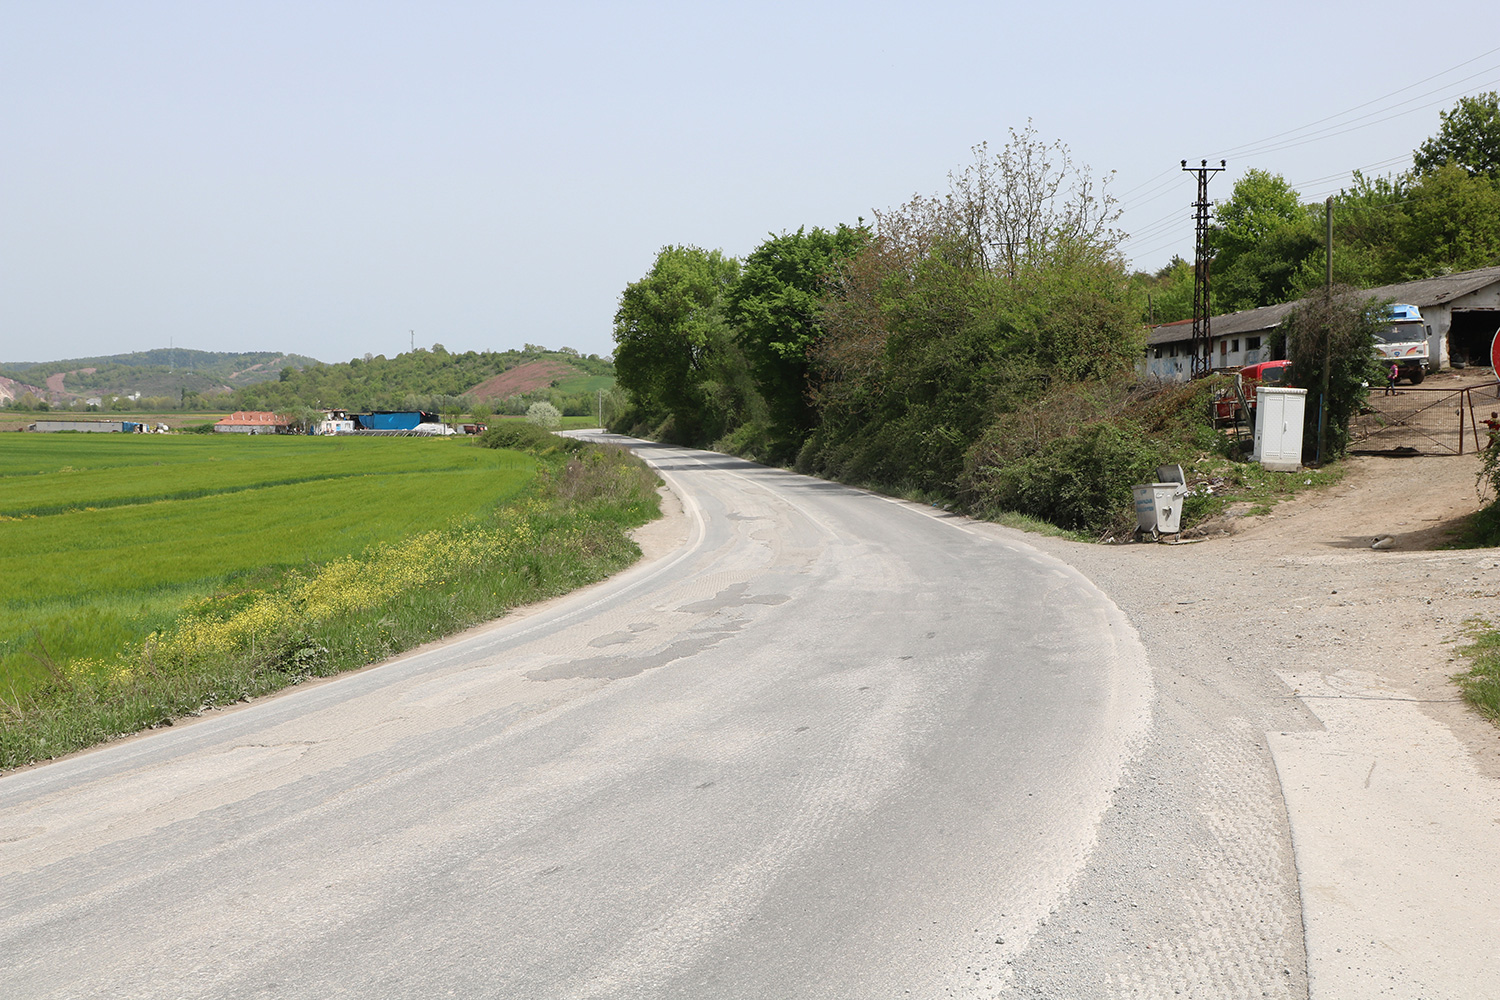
973,347
1442,215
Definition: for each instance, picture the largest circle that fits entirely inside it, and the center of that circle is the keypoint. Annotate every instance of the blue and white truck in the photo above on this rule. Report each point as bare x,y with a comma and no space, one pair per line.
1404,342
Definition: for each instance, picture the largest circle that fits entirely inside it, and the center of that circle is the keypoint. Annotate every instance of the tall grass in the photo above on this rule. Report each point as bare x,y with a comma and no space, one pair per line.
156,610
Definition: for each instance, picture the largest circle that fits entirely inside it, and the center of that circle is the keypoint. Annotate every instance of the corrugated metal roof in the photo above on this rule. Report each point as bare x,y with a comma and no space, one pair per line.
1436,291
1233,324
1422,294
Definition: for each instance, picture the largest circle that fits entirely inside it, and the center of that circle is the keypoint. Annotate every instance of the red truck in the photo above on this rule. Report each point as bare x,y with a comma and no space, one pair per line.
1272,373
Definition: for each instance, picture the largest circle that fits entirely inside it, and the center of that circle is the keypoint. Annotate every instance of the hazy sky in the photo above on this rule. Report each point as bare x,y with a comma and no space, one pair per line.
323,177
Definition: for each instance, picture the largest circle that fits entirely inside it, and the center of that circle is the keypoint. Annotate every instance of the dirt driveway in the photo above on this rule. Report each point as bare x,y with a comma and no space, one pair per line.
1303,584
1304,679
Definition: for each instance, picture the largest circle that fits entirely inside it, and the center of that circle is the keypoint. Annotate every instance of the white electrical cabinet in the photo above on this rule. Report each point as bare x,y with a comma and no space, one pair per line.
1278,428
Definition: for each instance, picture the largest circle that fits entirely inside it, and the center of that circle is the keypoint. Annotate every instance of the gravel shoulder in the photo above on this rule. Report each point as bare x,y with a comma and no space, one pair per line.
1305,699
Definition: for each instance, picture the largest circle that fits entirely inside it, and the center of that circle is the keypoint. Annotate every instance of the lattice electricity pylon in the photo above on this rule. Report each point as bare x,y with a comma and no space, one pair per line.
1202,347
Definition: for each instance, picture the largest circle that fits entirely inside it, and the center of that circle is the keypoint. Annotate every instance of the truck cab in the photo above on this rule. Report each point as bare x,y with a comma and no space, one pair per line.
1403,341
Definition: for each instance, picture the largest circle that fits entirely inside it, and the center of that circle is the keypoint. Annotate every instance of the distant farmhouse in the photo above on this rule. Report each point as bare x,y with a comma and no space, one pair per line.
253,422
1461,312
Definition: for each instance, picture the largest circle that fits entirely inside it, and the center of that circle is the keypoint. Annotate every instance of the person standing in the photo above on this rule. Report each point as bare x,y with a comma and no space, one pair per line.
1391,377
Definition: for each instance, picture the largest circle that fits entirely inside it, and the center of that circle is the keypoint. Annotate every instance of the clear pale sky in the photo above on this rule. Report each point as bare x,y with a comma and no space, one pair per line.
323,177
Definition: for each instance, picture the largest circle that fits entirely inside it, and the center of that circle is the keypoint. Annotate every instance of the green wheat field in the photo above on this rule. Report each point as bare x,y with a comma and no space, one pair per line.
144,578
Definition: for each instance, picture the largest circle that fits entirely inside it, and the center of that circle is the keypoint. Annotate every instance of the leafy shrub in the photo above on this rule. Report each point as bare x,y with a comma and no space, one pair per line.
544,415
521,435
1079,482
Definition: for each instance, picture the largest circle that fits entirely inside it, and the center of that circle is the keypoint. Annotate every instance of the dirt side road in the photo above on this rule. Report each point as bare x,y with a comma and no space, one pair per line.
1301,670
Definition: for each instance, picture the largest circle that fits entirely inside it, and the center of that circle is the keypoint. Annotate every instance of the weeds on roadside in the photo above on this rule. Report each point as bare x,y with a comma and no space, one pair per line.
1480,684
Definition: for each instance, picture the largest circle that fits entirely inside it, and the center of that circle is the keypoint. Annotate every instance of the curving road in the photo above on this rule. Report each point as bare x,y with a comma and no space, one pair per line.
831,746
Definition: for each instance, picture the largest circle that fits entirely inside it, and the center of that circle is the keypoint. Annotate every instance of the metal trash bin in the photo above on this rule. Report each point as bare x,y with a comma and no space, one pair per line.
1158,506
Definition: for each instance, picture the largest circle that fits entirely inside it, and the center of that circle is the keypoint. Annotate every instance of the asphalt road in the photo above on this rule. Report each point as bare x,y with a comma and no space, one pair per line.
831,746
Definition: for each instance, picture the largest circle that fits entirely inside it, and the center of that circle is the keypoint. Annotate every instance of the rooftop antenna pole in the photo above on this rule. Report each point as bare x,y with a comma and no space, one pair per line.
1202,347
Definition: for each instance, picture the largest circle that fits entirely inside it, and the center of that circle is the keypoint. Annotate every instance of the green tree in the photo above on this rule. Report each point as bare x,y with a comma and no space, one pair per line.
1341,327
1451,223
1368,218
961,307
1468,138
775,308
544,415
1260,239
1167,295
674,342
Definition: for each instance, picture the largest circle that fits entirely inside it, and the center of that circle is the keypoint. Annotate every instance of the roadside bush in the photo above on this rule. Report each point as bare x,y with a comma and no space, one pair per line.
1341,327
544,415
1082,482
522,435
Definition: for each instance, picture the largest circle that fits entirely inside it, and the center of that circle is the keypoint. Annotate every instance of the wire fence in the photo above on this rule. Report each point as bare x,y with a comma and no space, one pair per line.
1426,420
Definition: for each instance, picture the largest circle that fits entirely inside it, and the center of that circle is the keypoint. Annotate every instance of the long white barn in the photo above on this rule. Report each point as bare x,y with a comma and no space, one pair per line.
1461,312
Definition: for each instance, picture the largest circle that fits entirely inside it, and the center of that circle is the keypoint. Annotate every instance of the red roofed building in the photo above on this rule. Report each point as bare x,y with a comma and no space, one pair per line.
253,422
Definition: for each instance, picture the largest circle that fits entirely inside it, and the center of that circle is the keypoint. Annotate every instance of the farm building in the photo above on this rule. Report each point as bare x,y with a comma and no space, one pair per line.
393,420
401,423
1461,312
332,422
86,426
253,422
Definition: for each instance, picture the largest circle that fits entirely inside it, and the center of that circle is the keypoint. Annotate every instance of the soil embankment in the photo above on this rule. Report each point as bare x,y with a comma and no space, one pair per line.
530,377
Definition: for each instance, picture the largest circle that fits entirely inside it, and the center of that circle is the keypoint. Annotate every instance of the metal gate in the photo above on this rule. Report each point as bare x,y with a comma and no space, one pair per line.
1423,420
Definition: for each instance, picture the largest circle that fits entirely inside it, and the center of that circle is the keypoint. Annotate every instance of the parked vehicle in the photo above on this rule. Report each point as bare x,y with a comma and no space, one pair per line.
1271,373
1404,341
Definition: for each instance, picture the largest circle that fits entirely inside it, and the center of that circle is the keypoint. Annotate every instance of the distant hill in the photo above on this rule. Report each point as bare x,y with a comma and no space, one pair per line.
437,379
522,379
164,372
503,381
12,389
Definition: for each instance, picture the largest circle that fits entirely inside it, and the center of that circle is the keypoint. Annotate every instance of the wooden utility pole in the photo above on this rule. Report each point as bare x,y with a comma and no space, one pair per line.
1327,325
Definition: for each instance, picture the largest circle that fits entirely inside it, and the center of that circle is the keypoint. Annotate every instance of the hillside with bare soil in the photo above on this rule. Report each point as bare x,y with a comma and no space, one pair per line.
518,381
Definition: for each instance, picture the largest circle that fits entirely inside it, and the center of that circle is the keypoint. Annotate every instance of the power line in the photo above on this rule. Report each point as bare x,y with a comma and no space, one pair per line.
1301,136
1240,150
1330,133
1155,228
1151,180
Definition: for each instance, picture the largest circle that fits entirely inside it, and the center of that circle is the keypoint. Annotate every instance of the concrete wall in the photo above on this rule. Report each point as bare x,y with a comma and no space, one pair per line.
86,426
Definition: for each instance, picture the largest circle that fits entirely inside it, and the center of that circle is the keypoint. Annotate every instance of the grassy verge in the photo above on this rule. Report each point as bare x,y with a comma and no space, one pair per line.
271,625
1219,482
1480,684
